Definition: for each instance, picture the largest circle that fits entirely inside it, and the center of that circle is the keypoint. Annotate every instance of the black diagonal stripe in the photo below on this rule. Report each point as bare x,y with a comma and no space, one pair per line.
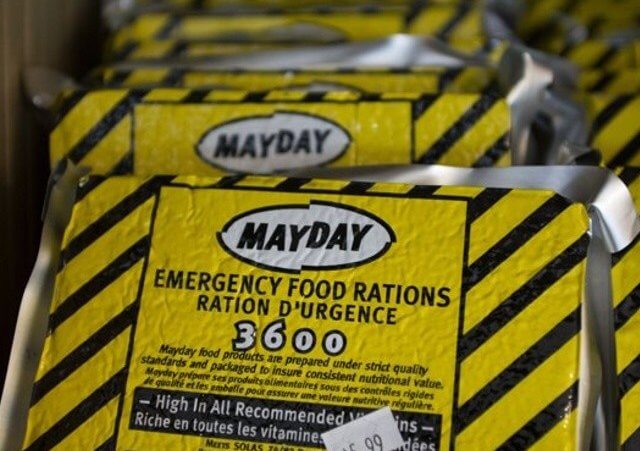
627,308
543,422
603,82
483,202
523,297
178,49
370,96
173,77
88,186
69,103
106,124
458,130
196,96
447,78
422,104
112,217
629,377
422,191
118,78
314,97
79,356
357,187
633,442
80,414
625,154
606,56
124,166
518,370
125,51
609,113
461,11
99,282
108,445
292,184
229,181
255,96
629,175
495,152
168,28
415,9
618,256
515,239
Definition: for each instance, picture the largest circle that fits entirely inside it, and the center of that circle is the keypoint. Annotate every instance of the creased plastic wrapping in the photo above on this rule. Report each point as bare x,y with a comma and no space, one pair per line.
442,20
544,118
471,79
185,51
163,131
524,361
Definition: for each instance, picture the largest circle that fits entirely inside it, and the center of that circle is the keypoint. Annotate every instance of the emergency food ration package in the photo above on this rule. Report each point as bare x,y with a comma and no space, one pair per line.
626,290
606,54
553,24
193,313
445,21
423,80
619,82
169,131
615,130
180,49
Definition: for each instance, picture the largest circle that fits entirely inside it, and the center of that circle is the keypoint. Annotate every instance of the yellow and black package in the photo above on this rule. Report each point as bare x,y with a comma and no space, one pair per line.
182,50
615,130
554,24
169,131
626,297
471,79
446,21
158,50
601,54
626,81
213,313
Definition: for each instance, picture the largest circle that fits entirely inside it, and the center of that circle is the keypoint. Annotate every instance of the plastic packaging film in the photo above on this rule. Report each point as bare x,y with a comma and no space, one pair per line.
442,20
105,260
210,308
131,214
146,132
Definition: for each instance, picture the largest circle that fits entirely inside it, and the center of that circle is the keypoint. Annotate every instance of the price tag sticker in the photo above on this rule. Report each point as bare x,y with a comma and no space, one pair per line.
377,431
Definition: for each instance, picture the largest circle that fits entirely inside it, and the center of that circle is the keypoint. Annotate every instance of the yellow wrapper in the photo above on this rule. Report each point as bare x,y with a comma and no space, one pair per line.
167,131
151,50
462,80
626,81
442,20
600,54
626,297
599,17
615,130
213,313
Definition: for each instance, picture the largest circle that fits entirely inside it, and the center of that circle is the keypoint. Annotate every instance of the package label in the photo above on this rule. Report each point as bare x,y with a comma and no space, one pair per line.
284,140
268,138
271,319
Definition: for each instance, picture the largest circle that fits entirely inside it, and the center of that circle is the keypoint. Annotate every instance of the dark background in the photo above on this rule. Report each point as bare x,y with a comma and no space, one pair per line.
61,34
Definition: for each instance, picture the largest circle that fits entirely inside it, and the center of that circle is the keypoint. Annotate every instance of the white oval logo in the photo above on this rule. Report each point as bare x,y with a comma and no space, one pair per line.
292,238
269,144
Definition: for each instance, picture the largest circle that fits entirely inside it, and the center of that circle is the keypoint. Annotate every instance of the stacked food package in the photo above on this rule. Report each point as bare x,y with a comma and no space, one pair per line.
268,220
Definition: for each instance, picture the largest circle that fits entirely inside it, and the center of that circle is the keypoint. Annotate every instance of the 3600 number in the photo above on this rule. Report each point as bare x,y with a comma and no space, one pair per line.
274,338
